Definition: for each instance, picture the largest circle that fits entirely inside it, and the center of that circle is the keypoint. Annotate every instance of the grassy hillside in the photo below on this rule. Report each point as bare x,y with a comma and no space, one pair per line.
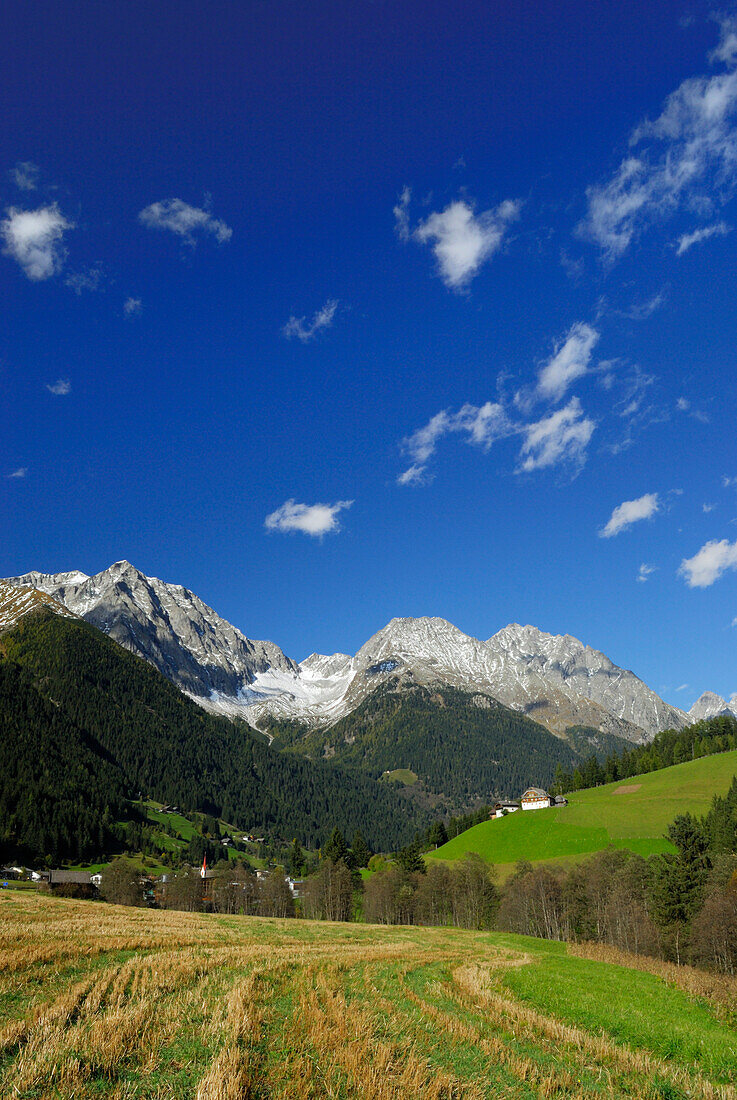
634,813
102,1001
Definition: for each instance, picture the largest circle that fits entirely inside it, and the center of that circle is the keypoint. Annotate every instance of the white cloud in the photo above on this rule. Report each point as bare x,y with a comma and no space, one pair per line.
132,306
34,238
561,437
414,475
79,281
61,387
19,473
726,51
728,482
401,215
683,404
682,687
709,563
460,239
645,571
304,331
311,519
686,157
706,508
629,512
184,220
688,240
25,175
481,425
570,361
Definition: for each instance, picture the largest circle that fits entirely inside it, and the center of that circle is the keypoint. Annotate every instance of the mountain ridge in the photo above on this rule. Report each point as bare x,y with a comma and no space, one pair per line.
556,679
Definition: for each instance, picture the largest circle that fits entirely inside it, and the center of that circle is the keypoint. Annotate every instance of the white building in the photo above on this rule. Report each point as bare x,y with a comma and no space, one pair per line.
535,798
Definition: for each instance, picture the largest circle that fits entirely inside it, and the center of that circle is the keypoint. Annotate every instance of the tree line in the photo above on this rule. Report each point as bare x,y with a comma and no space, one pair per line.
680,906
669,747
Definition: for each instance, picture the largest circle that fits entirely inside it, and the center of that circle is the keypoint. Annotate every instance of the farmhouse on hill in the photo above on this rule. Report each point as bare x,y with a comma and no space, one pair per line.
502,808
535,798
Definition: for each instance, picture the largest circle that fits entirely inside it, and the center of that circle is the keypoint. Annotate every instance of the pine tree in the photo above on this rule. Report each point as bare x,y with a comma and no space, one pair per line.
361,851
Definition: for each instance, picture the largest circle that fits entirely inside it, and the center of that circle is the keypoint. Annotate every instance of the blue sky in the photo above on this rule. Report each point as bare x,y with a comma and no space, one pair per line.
335,312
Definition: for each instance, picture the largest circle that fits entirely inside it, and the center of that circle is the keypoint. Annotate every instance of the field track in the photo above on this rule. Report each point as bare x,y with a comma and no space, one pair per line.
101,1001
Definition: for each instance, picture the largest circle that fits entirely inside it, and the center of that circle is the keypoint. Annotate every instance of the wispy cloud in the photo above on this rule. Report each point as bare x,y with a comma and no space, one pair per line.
561,437
481,425
645,571
61,387
683,687
709,563
184,221
79,281
18,474
132,306
684,405
640,311
707,507
461,240
311,519
401,214
629,512
34,238
569,362
305,330
687,156
25,175
688,240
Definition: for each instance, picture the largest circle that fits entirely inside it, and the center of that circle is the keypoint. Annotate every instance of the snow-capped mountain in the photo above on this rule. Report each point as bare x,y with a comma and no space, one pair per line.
554,679
711,705
171,627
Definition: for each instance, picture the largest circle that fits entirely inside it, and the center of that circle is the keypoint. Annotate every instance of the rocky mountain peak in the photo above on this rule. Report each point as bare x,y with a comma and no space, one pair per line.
710,705
167,624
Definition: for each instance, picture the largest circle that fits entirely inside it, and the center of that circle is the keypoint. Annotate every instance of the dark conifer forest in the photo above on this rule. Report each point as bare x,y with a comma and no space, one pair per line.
86,726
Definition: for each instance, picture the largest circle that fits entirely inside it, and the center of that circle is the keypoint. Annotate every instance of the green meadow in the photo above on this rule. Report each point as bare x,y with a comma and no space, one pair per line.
634,814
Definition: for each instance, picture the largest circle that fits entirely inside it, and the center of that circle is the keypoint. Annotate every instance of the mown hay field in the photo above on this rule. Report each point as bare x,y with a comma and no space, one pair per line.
101,1001
634,813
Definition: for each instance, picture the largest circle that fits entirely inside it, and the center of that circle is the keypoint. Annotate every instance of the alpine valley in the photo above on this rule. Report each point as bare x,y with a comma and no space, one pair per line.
422,717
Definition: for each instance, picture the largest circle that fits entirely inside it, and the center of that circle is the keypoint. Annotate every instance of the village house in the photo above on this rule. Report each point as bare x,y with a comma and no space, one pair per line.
535,798
503,808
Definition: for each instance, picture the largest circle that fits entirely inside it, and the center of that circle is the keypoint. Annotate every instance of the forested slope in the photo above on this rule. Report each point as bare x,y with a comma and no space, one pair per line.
83,723
464,747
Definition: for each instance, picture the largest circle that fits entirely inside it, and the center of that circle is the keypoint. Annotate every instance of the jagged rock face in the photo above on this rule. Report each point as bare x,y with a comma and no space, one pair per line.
554,679
168,625
711,705
530,665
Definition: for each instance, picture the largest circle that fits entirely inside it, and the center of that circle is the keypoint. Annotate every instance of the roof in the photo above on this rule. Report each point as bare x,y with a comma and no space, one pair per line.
80,878
535,792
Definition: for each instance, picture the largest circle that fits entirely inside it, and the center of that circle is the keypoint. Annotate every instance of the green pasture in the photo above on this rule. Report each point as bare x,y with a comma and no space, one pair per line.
634,813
